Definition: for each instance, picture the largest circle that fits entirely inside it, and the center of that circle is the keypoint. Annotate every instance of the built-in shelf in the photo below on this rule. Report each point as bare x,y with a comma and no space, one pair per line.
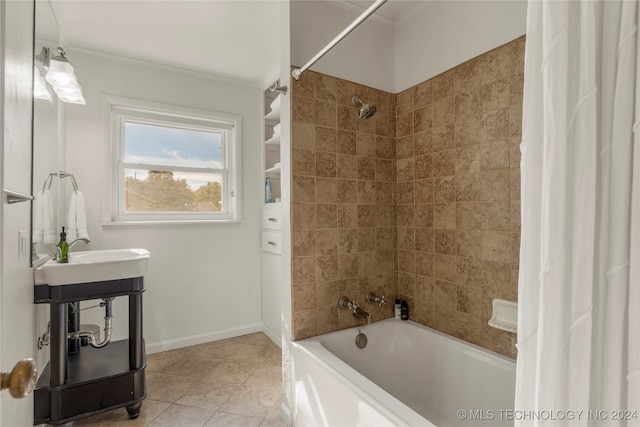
273,143
273,114
271,151
273,172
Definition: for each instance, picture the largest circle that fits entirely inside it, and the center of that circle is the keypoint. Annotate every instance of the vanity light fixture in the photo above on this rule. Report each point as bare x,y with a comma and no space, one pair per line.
40,89
61,76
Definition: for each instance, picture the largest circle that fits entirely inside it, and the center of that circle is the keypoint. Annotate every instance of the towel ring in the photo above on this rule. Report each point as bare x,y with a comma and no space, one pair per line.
61,174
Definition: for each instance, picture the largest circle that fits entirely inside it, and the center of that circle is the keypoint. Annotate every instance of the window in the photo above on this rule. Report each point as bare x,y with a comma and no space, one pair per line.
173,164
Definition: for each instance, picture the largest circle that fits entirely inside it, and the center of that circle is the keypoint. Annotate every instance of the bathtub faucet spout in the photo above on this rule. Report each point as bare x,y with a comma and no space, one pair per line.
358,313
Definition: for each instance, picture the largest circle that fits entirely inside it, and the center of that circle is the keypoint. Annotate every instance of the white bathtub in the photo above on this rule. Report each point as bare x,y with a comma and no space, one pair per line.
407,375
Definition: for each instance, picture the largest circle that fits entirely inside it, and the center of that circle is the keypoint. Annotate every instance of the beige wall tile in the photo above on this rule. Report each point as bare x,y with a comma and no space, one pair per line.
303,189
303,136
326,165
305,297
347,191
405,101
328,294
346,142
423,119
303,216
422,94
326,113
325,88
347,216
326,139
303,270
347,241
404,147
385,170
385,125
347,118
303,162
385,215
303,110
303,243
326,216
385,147
327,242
346,166
421,200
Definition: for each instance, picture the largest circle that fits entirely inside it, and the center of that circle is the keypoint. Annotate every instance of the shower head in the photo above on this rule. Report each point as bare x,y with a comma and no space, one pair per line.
366,110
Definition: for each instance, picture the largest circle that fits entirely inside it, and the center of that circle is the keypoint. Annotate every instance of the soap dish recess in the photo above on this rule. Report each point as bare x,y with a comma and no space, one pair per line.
505,315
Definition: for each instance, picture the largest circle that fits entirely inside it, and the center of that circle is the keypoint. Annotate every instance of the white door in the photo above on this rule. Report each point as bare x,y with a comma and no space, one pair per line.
17,313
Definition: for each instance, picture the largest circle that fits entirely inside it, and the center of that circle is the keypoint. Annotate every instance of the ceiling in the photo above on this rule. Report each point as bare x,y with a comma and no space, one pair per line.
392,12
237,39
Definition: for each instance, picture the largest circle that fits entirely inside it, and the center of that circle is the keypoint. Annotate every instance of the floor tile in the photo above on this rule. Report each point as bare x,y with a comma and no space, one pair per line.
166,387
119,417
223,419
206,394
235,382
255,401
183,416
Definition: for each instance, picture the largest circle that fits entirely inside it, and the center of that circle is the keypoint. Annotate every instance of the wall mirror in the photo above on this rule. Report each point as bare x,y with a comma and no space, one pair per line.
48,114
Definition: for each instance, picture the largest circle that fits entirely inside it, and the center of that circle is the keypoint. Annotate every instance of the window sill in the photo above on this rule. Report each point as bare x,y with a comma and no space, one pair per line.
115,224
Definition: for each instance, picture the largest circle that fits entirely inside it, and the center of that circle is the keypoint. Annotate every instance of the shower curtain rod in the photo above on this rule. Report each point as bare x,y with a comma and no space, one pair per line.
296,73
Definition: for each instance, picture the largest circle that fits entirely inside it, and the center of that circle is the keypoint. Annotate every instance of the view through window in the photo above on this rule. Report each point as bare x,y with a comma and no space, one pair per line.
173,166
170,169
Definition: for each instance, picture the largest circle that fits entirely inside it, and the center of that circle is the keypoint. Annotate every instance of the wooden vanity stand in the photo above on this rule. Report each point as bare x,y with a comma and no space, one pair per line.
93,380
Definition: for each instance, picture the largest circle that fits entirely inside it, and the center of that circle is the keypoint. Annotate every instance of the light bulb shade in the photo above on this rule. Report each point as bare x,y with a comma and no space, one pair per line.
40,86
63,80
60,72
71,93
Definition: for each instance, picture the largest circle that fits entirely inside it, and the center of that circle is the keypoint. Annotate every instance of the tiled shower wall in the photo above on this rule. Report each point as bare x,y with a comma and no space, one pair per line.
459,195
422,200
343,202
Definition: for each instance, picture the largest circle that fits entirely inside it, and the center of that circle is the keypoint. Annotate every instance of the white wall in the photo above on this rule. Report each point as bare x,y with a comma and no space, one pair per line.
443,34
17,319
365,56
204,279
431,40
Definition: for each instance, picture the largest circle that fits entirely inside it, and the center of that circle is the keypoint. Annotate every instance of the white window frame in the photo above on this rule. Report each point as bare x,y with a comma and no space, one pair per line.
123,110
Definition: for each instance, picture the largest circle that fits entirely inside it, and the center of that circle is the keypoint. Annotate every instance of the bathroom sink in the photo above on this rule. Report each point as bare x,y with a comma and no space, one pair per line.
94,266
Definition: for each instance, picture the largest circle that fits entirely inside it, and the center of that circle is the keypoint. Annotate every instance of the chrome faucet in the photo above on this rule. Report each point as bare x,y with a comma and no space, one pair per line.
87,241
371,297
358,313
80,239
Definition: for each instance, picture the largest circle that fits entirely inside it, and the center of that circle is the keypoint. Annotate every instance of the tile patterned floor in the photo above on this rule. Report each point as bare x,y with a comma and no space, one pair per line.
232,383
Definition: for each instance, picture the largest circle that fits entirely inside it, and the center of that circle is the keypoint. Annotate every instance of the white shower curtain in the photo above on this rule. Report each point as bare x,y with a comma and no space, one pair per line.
579,286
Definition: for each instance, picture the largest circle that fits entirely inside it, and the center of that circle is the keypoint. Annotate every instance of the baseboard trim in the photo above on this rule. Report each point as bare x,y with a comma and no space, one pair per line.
156,347
285,414
277,339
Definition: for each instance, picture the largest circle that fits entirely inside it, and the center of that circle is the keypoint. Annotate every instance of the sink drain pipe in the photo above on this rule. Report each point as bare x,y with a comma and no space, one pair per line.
108,318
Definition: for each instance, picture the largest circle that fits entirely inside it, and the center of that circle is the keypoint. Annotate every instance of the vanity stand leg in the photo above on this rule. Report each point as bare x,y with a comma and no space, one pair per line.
59,313
136,345
134,410
135,331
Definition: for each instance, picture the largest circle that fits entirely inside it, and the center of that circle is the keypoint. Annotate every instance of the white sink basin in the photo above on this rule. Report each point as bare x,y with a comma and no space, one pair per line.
94,266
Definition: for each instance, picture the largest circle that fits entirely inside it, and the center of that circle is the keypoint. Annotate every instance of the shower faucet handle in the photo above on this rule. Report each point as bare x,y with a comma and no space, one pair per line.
345,303
371,297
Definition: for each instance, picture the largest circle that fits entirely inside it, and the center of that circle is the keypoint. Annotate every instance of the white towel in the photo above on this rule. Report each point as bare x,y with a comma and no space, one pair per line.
77,218
276,130
43,231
